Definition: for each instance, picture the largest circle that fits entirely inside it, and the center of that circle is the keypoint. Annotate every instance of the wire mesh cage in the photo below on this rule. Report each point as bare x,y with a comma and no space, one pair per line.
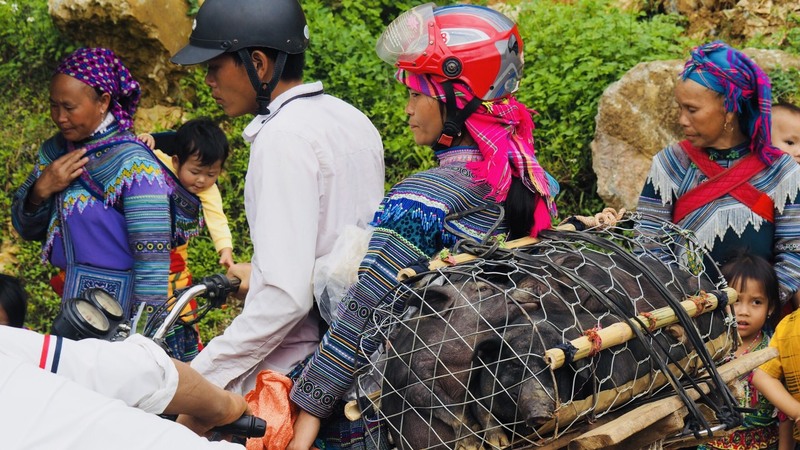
521,345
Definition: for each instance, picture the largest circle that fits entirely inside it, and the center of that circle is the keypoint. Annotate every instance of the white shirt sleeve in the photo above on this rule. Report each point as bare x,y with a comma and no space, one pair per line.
282,196
136,371
41,410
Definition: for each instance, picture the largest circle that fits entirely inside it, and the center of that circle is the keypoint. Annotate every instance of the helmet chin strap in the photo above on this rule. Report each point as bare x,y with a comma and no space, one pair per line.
263,90
454,122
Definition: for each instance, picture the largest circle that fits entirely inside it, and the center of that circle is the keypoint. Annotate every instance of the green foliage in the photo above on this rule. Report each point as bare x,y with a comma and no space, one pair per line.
567,68
30,48
785,85
29,44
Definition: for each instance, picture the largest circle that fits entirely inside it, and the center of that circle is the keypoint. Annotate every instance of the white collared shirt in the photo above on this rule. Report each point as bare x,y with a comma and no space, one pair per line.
316,166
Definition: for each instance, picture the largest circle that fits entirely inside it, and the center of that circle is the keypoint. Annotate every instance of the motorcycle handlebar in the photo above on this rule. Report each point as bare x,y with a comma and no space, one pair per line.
215,288
246,426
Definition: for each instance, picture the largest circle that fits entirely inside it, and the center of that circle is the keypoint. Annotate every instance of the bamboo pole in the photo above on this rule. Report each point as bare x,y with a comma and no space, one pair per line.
460,258
621,332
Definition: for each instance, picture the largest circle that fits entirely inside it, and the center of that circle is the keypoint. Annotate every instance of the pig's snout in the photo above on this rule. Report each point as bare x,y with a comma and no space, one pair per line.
536,405
538,419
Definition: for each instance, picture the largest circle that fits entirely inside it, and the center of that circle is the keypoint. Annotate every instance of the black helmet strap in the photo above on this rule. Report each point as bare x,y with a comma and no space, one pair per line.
454,122
263,90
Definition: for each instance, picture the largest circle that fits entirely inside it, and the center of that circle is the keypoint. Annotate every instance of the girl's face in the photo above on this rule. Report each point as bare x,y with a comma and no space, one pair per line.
424,118
786,131
752,307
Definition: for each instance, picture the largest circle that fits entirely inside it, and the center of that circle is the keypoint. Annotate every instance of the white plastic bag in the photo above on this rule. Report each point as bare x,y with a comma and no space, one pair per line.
335,272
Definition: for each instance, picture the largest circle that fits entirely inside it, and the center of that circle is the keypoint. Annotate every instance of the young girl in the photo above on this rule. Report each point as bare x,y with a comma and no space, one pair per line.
756,312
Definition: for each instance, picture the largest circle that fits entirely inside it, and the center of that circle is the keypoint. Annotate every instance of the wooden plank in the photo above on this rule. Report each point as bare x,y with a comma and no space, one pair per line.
645,416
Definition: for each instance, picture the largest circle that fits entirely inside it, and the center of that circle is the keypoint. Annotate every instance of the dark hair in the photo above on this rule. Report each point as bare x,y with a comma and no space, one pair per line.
292,70
520,201
747,267
204,138
520,204
791,107
13,300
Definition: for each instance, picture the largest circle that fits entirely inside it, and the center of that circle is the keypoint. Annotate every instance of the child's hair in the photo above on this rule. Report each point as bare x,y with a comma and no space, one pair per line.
747,267
791,107
203,138
13,300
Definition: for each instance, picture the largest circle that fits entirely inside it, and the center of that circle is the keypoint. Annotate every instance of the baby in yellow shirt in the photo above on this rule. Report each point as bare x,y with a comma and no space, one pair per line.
201,149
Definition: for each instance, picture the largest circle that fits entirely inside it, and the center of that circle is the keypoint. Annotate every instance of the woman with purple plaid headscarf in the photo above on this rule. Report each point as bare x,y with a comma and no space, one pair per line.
97,197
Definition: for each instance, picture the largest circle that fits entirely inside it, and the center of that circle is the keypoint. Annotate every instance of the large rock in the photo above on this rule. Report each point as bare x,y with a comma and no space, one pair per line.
637,116
734,21
144,33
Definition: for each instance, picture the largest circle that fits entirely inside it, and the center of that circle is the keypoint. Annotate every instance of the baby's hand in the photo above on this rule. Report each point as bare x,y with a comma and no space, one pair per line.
226,257
148,139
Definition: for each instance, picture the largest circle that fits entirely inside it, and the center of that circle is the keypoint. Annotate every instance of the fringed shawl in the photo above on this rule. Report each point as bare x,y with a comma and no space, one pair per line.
672,175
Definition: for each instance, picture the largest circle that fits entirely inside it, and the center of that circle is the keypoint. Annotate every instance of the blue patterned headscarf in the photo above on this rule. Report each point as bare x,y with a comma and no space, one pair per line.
746,88
100,68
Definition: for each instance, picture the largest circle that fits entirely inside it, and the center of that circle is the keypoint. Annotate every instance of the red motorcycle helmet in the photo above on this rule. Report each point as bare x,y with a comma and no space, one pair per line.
473,44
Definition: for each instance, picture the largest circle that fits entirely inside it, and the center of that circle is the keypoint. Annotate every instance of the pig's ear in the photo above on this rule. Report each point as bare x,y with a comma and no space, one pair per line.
487,351
437,298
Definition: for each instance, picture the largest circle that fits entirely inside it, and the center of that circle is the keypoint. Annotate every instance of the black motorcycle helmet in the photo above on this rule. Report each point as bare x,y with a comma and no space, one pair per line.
228,26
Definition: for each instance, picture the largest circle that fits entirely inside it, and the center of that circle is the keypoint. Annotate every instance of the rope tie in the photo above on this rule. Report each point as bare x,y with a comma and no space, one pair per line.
594,337
569,351
652,322
605,219
700,302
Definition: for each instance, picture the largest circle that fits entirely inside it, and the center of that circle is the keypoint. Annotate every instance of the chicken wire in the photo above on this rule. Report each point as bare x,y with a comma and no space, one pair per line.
464,359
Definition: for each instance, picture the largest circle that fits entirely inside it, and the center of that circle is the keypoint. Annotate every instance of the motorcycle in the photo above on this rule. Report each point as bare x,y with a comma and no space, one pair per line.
97,314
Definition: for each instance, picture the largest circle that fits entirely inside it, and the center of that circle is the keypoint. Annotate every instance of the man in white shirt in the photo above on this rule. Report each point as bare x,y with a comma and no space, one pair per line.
316,166
93,394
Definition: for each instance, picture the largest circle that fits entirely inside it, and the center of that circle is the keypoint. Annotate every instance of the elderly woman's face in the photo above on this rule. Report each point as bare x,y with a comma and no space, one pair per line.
703,115
424,118
75,107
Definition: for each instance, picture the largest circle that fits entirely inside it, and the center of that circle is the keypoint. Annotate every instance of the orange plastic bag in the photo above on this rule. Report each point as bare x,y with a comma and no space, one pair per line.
270,401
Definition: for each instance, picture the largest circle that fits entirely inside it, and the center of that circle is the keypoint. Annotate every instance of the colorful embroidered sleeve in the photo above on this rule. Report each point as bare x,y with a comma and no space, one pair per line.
787,249
409,225
31,225
330,372
147,215
656,204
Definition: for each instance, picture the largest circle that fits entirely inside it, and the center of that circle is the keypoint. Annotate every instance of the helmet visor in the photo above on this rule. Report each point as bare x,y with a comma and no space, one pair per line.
407,37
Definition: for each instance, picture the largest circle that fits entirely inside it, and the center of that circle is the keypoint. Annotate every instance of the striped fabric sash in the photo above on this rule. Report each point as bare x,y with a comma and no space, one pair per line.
721,181
51,353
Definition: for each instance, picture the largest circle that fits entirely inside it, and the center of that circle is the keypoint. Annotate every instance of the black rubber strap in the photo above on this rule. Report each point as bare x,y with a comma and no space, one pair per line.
455,118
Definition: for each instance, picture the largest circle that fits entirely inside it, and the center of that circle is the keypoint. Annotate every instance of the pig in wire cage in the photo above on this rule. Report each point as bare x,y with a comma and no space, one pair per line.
518,346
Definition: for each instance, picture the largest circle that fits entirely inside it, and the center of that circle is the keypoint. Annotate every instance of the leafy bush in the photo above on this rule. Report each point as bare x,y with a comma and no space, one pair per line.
573,51
30,48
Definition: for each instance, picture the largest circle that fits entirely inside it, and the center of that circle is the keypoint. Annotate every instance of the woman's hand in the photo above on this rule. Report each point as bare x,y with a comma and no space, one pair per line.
306,429
242,272
57,176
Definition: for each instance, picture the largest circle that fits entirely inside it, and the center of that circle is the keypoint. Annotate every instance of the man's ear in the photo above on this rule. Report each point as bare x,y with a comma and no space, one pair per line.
263,65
